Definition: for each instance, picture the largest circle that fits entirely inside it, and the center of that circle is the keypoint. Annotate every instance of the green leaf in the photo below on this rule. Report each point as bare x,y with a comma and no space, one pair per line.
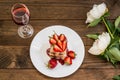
93,36
117,32
117,21
110,57
94,23
117,26
115,52
114,42
118,29
102,56
113,61
107,57
111,26
116,77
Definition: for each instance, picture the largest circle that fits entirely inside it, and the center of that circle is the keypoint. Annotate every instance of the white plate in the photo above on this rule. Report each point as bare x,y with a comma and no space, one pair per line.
40,44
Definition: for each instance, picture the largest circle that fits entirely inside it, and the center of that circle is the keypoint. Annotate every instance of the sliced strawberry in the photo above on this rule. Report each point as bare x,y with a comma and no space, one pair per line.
61,61
71,54
62,37
64,45
52,41
55,36
68,60
56,48
52,63
59,43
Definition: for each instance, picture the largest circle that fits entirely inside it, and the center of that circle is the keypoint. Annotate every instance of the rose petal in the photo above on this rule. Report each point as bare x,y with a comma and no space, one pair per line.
96,12
100,44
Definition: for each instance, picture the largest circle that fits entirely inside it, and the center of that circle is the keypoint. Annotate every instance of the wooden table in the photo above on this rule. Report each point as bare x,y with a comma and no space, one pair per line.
15,63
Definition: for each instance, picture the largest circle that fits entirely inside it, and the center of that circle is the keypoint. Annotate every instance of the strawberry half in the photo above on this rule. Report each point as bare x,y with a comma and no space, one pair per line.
68,60
55,36
52,41
61,61
59,43
64,45
71,54
56,48
62,37
52,63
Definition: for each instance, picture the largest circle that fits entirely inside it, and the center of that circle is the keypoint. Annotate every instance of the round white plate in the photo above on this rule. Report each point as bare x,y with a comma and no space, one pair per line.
40,44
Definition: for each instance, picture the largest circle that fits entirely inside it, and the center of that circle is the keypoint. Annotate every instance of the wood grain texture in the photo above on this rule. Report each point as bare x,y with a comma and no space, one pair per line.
81,74
9,36
21,58
15,62
72,10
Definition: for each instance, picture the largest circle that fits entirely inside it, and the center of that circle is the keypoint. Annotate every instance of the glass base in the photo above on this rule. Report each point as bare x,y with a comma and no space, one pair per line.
25,31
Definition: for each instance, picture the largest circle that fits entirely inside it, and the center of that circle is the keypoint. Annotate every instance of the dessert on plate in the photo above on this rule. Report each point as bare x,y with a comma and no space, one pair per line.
58,51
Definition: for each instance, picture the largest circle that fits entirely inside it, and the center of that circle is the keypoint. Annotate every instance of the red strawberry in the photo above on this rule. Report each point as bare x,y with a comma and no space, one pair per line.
71,54
61,61
59,43
52,41
52,63
55,36
62,37
56,48
68,60
64,46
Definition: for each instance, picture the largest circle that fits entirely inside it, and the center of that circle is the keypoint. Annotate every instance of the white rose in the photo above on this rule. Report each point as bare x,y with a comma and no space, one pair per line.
96,12
100,44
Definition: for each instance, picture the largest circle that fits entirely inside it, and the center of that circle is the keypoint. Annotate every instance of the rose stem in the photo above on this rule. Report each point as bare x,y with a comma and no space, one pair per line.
107,28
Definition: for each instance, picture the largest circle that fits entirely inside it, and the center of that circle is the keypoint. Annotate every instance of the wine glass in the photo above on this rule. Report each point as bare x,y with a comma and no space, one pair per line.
21,15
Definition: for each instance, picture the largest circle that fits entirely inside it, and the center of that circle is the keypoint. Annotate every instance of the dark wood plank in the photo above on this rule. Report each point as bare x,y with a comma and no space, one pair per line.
19,58
76,2
81,74
62,11
48,12
15,60
9,36
59,1
114,11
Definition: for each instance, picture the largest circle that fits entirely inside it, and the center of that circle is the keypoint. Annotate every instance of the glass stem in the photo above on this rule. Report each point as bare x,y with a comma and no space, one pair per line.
107,28
25,28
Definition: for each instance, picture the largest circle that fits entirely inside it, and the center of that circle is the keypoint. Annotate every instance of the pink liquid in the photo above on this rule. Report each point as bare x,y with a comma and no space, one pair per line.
21,16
